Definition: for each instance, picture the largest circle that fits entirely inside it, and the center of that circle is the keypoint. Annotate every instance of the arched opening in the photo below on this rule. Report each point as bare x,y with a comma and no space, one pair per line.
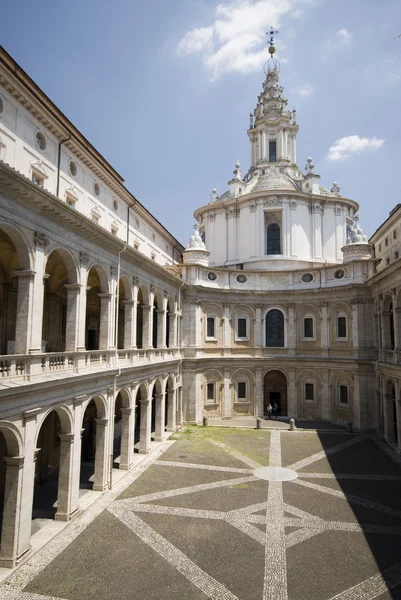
93,310
47,465
392,433
137,430
139,320
154,322
117,431
388,324
274,329
58,274
9,263
275,393
88,449
168,325
273,239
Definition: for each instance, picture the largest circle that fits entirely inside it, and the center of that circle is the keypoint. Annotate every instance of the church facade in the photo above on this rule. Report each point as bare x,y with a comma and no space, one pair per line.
112,334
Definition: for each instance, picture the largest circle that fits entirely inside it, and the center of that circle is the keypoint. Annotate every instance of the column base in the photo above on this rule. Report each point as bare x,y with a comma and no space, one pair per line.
66,516
160,438
10,563
98,487
144,450
125,466
171,429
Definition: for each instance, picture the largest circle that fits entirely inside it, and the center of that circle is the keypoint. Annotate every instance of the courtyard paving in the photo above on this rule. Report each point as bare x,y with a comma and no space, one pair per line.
193,522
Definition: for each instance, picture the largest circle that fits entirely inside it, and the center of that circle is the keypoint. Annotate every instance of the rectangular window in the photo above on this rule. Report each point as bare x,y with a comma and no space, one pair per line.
341,327
36,179
343,391
308,327
309,392
273,151
210,327
242,390
210,391
241,328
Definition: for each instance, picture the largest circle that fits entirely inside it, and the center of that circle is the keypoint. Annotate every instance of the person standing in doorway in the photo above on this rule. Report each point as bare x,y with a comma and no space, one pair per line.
275,409
269,411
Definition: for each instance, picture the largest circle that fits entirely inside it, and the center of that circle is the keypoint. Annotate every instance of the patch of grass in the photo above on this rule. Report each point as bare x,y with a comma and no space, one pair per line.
240,486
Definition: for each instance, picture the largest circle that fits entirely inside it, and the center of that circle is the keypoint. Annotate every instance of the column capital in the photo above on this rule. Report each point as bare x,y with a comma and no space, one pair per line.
128,302
126,410
105,295
66,437
78,399
103,421
30,415
22,273
14,461
144,401
72,287
158,396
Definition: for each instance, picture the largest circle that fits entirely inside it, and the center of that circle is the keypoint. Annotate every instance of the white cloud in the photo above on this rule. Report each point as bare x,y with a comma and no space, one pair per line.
340,40
348,146
305,91
236,40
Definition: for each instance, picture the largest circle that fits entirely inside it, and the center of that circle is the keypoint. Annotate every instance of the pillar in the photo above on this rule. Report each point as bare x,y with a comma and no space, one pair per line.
172,409
161,328
356,404
101,459
291,395
388,418
291,329
10,549
160,417
355,328
129,329
226,404
147,320
324,329
24,297
76,450
66,504
73,293
146,414
258,404
173,330
127,438
227,327
36,306
259,322
105,307
325,400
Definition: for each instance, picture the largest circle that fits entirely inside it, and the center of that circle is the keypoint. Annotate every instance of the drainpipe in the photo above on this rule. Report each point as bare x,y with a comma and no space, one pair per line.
58,163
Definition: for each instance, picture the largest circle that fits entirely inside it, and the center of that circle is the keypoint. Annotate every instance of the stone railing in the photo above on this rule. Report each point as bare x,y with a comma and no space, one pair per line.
33,367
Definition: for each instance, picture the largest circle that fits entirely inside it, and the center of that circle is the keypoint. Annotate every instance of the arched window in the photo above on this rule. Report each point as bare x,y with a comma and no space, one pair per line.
274,329
273,243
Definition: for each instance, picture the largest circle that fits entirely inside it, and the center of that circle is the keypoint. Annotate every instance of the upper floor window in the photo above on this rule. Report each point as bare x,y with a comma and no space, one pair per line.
274,329
308,328
272,151
242,328
40,140
241,390
37,179
211,327
211,391
342,327
343,394
309,392
273,239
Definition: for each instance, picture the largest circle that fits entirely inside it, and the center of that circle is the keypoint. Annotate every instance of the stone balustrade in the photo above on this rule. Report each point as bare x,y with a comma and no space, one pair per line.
28,367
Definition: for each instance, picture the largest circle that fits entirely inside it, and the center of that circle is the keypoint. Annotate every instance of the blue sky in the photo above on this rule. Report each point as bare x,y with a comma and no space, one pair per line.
163,89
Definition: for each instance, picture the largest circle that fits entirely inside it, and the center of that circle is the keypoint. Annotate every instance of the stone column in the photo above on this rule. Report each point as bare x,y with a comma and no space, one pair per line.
258,404
355,328
76,448
356,405
147,320
36,306
230,220
24,299
73,293
161,328
65,506
172,409
127,438
146,414
324,329
81,333
101,458
292,396
226,396
259,334
129,317
173,330
105,307
160,417
10,549
227,324
325,400
291,329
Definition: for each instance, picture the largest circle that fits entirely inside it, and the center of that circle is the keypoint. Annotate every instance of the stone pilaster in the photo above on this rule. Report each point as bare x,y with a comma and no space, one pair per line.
101,458
24,301
11,547
146,414
160,417
66,504
127,438
171,409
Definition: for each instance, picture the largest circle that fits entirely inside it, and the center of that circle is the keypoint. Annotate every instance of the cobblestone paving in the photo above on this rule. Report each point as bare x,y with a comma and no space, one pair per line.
194,522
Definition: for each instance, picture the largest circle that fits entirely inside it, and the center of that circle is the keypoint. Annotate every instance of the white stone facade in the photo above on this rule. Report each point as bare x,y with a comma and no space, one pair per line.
111,334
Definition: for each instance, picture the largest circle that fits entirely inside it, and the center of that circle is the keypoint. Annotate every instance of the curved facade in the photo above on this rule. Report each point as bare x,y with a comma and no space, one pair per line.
111,334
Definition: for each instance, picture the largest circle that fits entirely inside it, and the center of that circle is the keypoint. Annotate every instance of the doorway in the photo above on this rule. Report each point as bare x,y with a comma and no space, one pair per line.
275,392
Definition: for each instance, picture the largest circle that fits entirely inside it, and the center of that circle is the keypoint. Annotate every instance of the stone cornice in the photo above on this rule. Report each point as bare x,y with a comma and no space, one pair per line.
386,272
17,186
